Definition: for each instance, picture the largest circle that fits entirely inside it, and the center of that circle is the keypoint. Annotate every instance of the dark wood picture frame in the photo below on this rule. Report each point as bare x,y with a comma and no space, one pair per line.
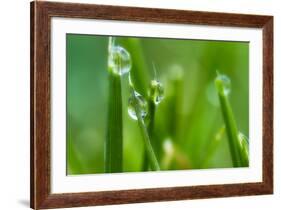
41,14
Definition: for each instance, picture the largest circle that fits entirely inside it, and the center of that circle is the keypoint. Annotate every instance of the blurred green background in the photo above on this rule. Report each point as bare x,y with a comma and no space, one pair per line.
188,122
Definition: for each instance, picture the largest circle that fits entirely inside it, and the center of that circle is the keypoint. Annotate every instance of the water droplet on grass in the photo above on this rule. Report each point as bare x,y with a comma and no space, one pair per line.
137,100
225,82
119,60
156,91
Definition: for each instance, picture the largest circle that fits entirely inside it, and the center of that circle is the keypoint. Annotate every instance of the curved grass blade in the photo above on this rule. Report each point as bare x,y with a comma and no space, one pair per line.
150,127
147,143
222,83
139,70
244,147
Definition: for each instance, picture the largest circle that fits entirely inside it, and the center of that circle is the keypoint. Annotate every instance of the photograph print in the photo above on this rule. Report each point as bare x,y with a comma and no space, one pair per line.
145,104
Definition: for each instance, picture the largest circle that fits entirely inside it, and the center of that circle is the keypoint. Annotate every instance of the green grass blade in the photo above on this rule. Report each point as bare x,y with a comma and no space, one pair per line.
151,114
114,137
244,147
139,71
150,152
153,162
155,96
150,126
175,105
145,162
228,116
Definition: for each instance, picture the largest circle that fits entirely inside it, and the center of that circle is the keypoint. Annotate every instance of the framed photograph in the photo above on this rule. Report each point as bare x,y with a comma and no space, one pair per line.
141,104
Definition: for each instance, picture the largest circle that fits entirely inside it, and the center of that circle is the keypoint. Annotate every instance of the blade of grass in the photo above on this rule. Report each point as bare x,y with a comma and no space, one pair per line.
244,147
147,143
145,162
151,113
150,124
174,104
139,77
228,116
155,96
114,137
139,71
150,127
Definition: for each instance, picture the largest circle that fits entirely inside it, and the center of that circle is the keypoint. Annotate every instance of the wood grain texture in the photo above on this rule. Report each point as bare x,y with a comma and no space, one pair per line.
268,104
41,14
32,124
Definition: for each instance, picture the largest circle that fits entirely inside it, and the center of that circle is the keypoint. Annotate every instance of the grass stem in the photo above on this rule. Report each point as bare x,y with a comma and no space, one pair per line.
149,149
244,147
228,116
150,127
114,136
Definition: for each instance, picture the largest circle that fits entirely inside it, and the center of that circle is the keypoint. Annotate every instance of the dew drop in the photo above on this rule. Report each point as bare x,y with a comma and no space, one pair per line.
119,60
139,99
156,91
226,83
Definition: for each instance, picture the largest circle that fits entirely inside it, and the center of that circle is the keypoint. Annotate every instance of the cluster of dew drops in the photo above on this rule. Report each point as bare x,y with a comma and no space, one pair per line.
120,63
156,94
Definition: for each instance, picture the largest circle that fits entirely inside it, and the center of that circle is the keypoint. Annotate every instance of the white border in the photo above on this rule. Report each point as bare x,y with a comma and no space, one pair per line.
60,183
